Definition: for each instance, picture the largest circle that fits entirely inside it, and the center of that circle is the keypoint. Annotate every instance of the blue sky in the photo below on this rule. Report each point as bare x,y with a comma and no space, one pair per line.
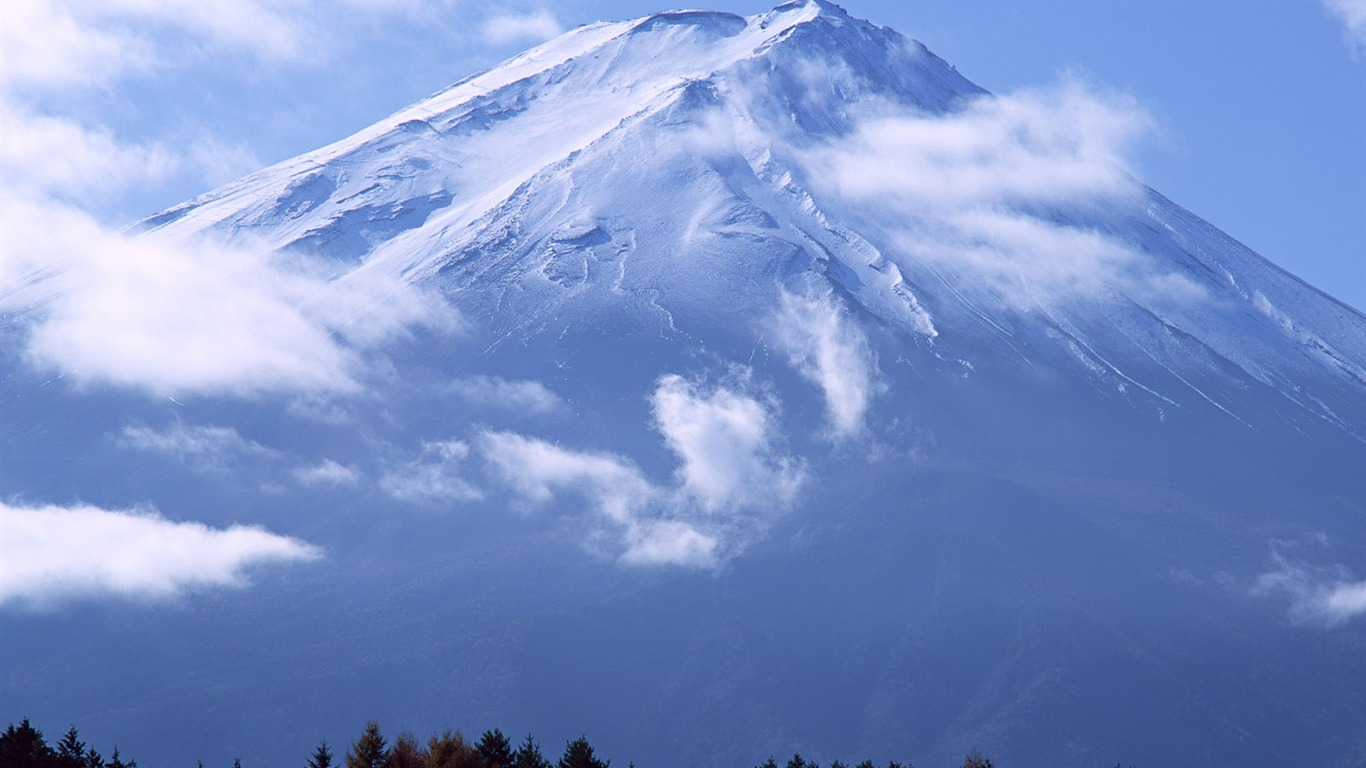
120,108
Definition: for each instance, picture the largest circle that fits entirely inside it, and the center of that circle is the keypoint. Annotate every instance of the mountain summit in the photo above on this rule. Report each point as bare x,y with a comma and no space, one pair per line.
720,387
719,159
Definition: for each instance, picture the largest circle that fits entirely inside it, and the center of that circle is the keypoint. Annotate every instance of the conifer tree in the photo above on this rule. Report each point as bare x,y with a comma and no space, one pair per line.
25,746
450,750
406,752
579,754
529,755
71,750
494,749
322,757
117,762
974,759
370,750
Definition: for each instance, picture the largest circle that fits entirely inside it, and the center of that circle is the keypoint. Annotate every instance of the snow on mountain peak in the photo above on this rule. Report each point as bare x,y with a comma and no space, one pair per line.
695,164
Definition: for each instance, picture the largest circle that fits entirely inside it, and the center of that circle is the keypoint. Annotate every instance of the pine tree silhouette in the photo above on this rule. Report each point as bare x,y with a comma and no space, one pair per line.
370,750
322,757
579,754
529,755
494,749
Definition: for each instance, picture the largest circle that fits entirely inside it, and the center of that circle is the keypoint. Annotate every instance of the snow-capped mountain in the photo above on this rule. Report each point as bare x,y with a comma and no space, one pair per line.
719,387
585,165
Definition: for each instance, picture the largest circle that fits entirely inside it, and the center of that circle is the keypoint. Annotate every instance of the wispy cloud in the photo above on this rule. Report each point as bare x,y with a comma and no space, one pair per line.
191,316
1352,15
148,313
49,43
670,542
729,485
1326,595
46,44
201,447
512,395
538,470
630,521
533,26
53,554
827,348
46,155
433,477
980,191
327,472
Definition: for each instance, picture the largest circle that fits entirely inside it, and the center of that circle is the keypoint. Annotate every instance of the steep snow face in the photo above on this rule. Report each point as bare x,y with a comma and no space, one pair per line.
691,168
469,147
446,161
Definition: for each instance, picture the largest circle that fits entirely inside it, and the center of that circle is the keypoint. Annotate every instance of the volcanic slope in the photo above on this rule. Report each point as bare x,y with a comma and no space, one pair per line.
799,395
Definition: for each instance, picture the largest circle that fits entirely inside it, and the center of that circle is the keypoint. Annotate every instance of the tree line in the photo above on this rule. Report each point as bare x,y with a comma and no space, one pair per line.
23,746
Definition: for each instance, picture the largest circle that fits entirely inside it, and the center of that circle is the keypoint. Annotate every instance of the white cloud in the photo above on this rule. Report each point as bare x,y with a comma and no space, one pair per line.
828,348
513,395
1345,600
668,542
1352,15
729,485
44,155
205,448
538,470
722,437
54,44
145,312
1324,595
534,26
632,513
433,477
327,472
53,554
980,192
47,44
191,316
281,29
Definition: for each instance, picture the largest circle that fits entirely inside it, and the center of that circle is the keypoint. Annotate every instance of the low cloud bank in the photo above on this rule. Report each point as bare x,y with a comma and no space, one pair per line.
193,316
53,554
